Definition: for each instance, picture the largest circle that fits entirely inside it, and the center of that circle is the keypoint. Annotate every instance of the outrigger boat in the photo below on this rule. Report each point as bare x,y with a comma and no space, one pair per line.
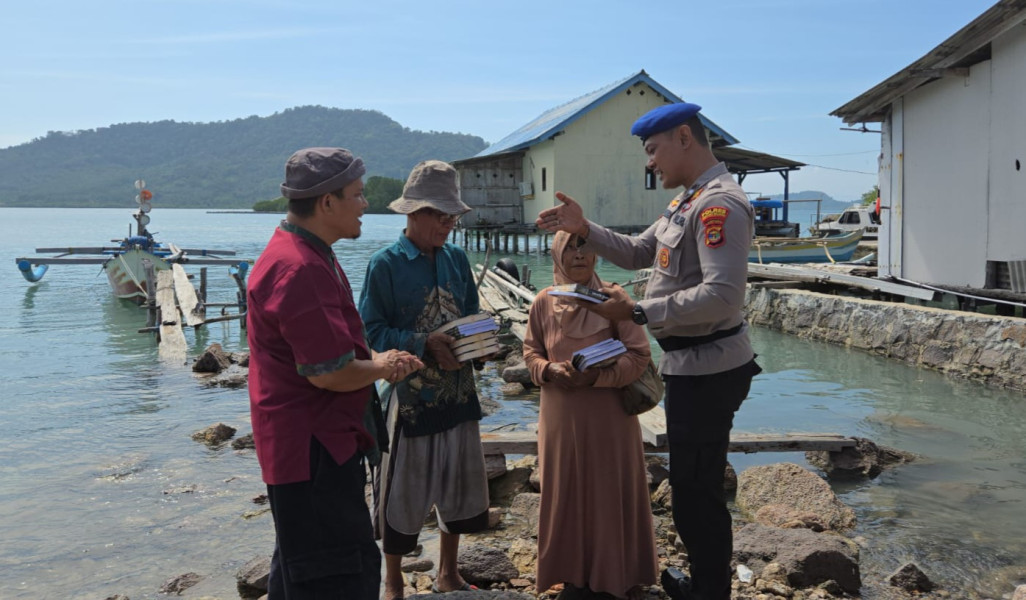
838,248
133,263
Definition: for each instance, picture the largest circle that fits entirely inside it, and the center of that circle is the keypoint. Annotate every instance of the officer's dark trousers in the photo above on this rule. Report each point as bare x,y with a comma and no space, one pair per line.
324,547
699,415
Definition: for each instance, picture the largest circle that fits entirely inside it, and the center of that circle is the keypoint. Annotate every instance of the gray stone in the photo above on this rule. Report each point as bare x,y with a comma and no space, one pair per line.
213,360
790,485
865,459
412,564
911,579
514,388
214,435
251,578
177,585
517,374
483,565
808,558
495,465
526,507
244,443
503,489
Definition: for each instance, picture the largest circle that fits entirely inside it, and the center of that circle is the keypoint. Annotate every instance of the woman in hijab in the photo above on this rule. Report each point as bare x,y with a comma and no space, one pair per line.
595,532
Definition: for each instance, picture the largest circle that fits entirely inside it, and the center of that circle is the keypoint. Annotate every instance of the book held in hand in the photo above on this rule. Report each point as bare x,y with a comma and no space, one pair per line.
602,354
576,290
475,336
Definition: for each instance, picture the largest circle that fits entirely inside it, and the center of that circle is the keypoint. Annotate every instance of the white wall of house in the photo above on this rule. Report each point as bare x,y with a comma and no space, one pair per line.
601,165
539,161
946,130
948,172
1006,225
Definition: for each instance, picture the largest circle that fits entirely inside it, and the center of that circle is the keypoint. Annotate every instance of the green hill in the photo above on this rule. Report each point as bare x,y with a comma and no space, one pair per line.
226,164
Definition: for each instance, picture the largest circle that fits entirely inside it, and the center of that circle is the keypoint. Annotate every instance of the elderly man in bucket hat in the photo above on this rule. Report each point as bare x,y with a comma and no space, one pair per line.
698,252
311,379
412,288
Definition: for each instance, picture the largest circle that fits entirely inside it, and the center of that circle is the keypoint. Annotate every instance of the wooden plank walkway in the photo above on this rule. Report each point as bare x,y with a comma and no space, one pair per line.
526,442
172,339
187,300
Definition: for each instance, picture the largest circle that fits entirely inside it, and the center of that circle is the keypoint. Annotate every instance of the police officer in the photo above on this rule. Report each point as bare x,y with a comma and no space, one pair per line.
698,251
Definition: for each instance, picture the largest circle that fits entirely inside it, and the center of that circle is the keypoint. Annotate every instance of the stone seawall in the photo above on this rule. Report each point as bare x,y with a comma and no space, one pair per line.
975,346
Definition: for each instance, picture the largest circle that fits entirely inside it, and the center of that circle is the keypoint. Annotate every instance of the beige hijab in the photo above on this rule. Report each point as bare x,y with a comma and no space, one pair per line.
574,321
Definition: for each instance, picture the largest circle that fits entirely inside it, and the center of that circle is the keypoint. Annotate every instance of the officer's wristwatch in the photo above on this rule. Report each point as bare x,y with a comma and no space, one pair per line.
638,315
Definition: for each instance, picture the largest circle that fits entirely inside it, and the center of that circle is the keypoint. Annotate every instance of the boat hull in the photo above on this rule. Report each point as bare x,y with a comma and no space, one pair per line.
805,250
126,272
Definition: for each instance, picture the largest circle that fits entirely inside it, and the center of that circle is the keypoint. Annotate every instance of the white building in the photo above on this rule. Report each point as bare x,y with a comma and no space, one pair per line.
953,157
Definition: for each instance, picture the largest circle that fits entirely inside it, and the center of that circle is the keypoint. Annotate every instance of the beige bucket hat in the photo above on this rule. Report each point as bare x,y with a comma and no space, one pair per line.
431,184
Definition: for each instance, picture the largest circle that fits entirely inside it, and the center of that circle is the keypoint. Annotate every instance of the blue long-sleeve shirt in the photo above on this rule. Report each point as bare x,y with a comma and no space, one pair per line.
405,296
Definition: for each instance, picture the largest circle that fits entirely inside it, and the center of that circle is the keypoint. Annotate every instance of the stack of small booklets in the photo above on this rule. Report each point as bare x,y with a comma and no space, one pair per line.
601,354
576,290
476,336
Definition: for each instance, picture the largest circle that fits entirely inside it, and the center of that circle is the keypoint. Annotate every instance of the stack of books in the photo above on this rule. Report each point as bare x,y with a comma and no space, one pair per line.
576,290
601,354
476,336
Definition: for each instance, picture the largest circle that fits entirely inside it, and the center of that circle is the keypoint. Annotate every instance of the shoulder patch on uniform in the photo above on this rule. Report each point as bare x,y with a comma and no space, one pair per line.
715,212
713,219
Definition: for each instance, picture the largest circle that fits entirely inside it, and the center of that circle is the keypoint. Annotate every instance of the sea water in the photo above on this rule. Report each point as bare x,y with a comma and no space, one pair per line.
103,492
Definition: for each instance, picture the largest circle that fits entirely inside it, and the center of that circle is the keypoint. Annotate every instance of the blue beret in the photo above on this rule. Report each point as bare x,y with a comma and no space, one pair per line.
662,118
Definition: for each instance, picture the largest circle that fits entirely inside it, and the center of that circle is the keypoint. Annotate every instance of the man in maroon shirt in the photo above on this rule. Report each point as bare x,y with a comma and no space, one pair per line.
310,384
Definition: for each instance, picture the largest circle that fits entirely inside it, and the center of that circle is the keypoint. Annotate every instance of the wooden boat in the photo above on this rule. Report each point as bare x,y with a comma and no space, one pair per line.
127,263
804,250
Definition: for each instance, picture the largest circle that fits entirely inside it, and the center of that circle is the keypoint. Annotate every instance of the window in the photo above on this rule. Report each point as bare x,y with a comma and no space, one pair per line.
850,218
544,182
650,179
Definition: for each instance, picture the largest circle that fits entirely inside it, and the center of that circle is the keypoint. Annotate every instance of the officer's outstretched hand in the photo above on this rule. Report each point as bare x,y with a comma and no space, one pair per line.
568,217
617,308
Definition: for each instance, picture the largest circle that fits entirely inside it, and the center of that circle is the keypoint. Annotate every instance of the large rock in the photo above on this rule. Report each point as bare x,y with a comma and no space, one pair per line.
808,558
213,360
524,554
483,565
526,508
865,459
177,585
911,579
504,488
517,373
1020,593
792,486
215,435
251,579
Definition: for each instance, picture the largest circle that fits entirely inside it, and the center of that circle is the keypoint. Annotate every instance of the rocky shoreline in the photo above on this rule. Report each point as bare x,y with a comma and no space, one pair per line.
793,536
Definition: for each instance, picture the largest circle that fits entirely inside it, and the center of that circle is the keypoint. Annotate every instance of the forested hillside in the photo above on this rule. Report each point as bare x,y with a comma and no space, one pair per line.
228,164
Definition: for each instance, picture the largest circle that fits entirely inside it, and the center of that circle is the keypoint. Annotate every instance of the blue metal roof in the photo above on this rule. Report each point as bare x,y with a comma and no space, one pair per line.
557,119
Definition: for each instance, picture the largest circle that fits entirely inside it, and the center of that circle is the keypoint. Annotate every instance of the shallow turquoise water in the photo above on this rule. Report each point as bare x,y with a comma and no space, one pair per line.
102,491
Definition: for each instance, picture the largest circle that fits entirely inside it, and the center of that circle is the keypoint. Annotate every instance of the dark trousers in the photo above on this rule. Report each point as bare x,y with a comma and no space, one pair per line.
324,546
699,416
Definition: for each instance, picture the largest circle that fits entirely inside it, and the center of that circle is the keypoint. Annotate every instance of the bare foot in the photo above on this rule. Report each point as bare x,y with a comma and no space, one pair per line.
637,592
453,583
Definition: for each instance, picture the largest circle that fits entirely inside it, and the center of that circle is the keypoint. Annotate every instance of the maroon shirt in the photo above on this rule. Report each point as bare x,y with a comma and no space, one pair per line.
302,321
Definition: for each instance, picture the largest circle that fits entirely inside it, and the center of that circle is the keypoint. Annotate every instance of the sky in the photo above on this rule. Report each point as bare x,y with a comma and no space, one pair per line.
767,71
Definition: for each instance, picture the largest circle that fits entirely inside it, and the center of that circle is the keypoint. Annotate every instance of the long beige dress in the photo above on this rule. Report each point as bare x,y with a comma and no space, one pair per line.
595,528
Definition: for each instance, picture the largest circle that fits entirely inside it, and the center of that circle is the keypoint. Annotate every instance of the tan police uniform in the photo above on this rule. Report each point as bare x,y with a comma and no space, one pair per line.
698,251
